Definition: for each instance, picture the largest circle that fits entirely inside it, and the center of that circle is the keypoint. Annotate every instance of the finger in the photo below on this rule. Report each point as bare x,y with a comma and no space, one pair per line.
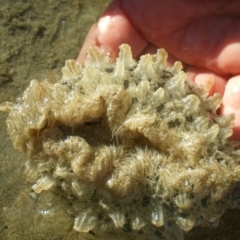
231,103
90,40
113,29
202,77
205,34
212,43
152,49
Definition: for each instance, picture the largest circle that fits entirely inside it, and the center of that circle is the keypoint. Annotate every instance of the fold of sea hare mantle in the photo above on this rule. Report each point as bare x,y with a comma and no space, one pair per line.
135,150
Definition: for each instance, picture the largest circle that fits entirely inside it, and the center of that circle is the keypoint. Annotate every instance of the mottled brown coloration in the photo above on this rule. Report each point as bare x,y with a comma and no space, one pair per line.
132,142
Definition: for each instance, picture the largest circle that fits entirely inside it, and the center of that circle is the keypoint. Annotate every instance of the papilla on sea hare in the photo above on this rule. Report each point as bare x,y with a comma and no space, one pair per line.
135,150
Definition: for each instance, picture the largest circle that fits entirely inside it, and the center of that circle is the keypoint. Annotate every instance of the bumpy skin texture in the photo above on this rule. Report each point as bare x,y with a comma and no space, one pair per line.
136,150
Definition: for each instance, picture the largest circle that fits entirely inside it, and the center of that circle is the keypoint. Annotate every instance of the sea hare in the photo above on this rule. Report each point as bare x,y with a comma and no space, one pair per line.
134,150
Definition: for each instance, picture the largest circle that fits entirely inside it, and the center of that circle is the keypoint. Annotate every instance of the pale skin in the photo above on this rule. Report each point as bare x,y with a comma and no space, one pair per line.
203,34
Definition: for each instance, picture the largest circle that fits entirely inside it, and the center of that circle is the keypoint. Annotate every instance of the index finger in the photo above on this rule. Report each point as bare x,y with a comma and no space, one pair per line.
113,29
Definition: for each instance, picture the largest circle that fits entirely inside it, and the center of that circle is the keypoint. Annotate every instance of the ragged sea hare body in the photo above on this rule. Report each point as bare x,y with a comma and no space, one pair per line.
133,149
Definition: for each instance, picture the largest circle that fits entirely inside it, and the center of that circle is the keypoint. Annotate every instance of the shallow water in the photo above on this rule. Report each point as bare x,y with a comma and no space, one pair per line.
36,39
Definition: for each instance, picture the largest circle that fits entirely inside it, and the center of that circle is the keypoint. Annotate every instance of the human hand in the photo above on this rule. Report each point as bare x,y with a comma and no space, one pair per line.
203,34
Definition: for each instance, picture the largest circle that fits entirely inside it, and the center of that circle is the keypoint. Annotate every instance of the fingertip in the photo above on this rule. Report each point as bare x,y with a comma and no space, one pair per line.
236,133
113,29
231,104
90,40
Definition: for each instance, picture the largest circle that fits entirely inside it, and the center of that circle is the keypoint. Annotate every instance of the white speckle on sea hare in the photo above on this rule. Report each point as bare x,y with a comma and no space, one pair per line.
134,149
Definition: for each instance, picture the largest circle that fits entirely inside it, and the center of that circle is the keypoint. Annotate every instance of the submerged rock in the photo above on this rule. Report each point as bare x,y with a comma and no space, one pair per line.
132,149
